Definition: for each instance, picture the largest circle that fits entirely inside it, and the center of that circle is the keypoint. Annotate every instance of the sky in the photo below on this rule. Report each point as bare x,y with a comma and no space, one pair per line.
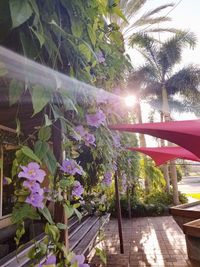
184,15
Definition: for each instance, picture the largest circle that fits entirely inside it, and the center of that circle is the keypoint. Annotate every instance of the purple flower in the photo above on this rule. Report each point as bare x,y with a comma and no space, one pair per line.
81,131
35,200
89,139
77,190
32,172
100,57
33,186
107,180
79,259
51,260
96,119
71,167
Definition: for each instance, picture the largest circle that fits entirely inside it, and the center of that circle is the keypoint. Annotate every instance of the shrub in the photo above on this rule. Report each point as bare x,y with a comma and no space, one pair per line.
154,204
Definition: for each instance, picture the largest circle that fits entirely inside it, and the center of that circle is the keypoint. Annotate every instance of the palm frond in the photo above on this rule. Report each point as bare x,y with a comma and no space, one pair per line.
144,81
157,10
186,81
172,30
141,40
129,8
171,51
148,47
174,105
146,21
187,38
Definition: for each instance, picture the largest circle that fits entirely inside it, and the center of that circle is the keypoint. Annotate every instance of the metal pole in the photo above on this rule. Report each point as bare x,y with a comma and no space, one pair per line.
119,215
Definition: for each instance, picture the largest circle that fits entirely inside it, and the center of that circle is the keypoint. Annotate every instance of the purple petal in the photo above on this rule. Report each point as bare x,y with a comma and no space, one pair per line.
51,260
33,165
79,259
35,200
96,119
77,190
40,175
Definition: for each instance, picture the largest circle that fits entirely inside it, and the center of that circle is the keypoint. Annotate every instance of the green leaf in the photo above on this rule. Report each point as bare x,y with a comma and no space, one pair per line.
69,105
3,70
29,153
76,205
92,34
61,226
22,212
85,51
19,233
53,232
102,254
41,149
40,36
45,212
48,122
15,90
40,98
118,11
44,133
34,7
69,210
78,214
50,161
20,12
77,28
18,128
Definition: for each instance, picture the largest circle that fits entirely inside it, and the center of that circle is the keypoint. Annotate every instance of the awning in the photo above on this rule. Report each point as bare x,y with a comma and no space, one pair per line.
162,154
183,133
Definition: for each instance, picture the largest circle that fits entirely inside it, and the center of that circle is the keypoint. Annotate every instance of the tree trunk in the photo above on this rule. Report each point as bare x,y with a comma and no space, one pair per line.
139,119
174,182
165,166
142,144
173,171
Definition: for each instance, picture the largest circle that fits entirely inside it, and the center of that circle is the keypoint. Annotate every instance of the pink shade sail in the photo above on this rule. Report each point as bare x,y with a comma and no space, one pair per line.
183,133
162,154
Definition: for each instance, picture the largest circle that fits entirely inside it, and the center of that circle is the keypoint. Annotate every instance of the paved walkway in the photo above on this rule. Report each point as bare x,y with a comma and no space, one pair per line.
149,241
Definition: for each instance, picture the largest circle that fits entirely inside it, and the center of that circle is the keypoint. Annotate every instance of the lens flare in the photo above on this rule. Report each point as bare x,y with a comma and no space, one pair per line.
130,100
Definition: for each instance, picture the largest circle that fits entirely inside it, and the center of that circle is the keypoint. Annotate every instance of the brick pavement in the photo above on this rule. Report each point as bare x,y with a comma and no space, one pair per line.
148,241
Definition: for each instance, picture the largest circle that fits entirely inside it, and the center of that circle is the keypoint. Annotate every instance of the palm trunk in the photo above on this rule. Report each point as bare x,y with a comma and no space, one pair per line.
165,166
173,171
139,119
142,144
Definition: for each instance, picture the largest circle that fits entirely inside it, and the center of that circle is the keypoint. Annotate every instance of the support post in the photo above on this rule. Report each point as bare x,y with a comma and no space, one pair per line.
59,214
119,215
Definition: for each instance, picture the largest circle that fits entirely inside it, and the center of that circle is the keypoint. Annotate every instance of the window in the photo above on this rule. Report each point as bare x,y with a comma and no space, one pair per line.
7,155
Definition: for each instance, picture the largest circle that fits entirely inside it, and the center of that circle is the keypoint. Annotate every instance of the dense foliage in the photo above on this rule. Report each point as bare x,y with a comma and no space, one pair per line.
72,37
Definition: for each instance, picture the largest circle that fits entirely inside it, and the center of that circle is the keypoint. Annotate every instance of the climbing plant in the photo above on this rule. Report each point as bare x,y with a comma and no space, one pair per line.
74,38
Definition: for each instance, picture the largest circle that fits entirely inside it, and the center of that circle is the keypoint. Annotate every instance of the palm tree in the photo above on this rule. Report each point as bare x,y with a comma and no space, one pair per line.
156,78
130,21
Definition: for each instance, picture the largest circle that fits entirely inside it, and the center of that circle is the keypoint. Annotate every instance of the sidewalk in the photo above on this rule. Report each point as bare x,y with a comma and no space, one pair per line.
148,241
